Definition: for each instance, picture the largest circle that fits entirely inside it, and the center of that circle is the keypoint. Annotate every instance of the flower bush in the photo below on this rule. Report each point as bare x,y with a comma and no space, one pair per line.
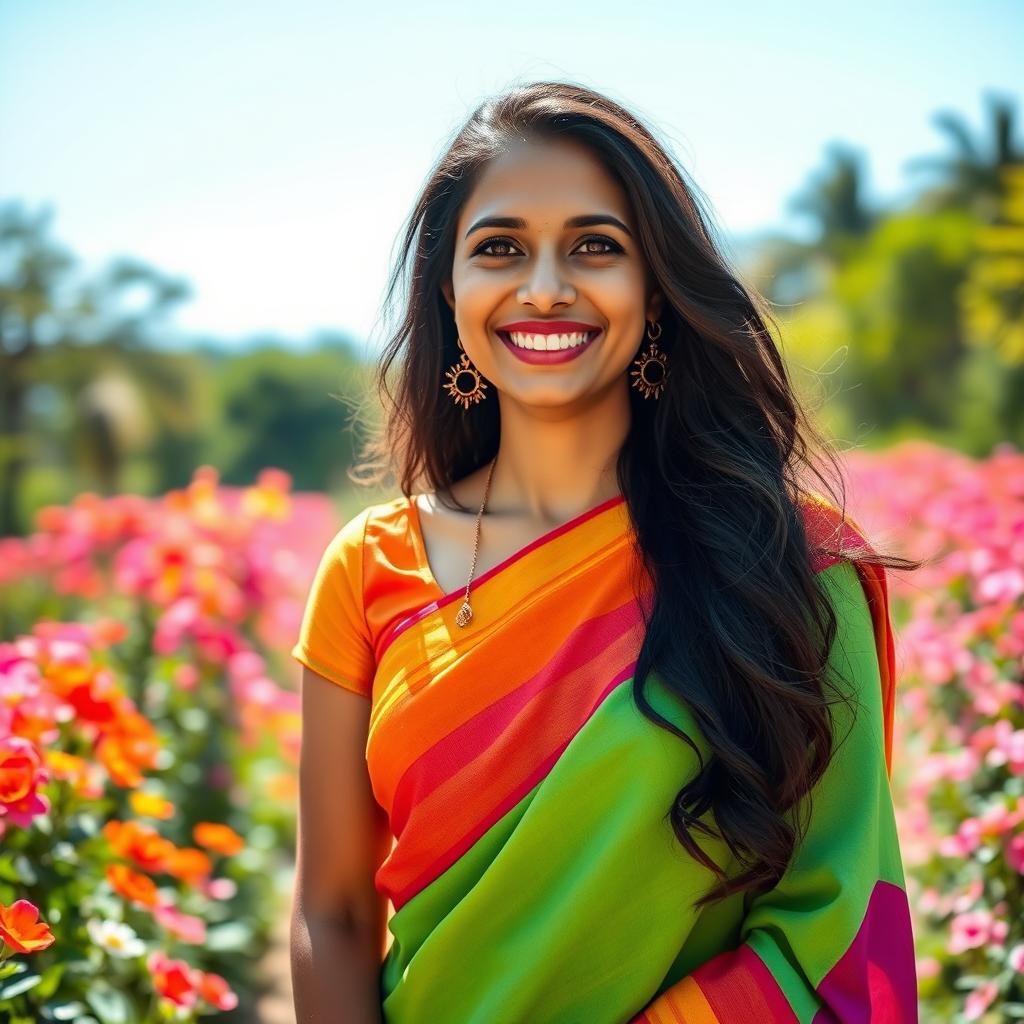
960,727
147,756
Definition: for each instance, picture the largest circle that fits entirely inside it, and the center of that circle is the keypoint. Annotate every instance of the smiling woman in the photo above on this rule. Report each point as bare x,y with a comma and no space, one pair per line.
598,640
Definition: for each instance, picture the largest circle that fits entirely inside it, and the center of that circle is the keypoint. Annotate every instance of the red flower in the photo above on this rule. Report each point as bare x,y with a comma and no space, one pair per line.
173,979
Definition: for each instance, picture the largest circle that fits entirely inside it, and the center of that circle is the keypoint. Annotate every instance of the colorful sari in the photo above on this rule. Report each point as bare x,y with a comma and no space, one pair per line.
534,876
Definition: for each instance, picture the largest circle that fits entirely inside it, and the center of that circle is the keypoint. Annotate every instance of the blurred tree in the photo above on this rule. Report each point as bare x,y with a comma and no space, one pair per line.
835,201
898,297
972,178
30,266
993,300
911,317
279,407
85,346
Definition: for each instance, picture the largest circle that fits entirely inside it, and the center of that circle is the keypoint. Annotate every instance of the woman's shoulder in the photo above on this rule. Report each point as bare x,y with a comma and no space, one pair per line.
375,516
833,535
377,526
384,535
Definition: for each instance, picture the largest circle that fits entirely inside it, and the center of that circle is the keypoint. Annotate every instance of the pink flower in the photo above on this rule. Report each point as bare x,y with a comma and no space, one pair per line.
184,926
1005,585
980,1000
974,929
186,676
965,900
1015,854
221,888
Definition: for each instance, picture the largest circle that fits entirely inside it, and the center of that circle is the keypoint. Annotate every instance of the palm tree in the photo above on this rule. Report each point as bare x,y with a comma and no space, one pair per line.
835,199
972,177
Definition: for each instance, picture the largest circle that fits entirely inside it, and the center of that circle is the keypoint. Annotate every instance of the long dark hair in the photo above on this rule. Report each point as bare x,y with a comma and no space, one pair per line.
713,473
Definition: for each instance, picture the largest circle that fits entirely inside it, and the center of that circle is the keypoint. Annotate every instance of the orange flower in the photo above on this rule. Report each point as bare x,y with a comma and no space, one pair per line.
269,498
65,766
85,777
51,519
219,838
149,805
216,991
21,928
140,843
107,631
21,772
189,864
18,770
132,886
129,746
122,771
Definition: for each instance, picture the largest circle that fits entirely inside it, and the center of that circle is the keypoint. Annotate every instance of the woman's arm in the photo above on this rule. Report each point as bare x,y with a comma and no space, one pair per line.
339,919
831,943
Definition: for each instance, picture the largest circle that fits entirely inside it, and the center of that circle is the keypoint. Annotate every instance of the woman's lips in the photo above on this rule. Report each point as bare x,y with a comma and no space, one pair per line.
561,355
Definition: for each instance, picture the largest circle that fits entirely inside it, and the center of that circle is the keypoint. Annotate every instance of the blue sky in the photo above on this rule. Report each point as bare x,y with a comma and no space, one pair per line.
269,152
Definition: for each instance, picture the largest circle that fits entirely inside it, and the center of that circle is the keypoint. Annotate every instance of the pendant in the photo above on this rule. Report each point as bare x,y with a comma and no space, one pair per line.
465,615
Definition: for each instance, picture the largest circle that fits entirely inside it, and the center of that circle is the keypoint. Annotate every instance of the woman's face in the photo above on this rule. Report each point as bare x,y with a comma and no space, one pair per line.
549,273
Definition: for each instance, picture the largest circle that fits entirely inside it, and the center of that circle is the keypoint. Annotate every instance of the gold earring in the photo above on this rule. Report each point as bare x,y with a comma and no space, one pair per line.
466,370
651,367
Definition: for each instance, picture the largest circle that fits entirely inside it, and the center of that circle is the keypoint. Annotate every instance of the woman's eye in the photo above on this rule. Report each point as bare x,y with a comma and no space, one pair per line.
610,246
480,249
601,240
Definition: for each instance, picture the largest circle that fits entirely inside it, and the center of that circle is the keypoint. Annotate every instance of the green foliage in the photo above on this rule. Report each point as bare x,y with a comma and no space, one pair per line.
288,409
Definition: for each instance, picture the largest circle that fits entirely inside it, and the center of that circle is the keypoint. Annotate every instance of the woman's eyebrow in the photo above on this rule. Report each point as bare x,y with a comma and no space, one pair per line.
586,220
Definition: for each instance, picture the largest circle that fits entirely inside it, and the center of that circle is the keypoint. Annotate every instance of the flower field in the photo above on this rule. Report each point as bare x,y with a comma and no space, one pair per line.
149,736
147,753
959,742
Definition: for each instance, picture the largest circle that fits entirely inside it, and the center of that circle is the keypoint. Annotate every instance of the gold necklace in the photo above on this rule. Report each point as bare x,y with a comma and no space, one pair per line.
465,615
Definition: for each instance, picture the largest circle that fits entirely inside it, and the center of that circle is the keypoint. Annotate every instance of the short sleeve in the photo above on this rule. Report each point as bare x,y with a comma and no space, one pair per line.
334,639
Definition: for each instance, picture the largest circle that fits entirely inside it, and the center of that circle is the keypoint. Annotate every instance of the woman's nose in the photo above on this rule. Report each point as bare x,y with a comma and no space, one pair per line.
546,282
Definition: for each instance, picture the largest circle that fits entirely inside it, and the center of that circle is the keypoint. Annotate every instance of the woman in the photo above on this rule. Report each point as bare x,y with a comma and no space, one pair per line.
604,710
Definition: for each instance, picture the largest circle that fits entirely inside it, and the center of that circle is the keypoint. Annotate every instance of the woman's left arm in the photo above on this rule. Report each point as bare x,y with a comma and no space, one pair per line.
832,942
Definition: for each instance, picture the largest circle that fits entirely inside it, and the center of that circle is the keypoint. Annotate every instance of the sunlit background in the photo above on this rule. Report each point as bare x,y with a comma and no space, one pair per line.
199,205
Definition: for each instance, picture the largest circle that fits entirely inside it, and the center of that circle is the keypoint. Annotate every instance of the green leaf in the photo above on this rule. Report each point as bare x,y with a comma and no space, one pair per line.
14,987
231,937
26,873
108,1004
51,979
64,1011
8,872
12,967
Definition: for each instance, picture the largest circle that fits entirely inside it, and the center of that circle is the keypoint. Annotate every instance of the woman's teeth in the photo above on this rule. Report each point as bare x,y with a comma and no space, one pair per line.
548,342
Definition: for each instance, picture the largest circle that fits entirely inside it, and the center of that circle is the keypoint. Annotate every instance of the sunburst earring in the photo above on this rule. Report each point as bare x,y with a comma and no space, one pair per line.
651,367
463,372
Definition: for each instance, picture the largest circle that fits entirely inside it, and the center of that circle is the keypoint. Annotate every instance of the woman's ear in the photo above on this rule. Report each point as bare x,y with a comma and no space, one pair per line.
655,305
449,294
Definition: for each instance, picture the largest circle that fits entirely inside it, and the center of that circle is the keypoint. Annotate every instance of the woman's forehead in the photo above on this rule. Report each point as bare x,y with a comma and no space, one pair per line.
544,183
